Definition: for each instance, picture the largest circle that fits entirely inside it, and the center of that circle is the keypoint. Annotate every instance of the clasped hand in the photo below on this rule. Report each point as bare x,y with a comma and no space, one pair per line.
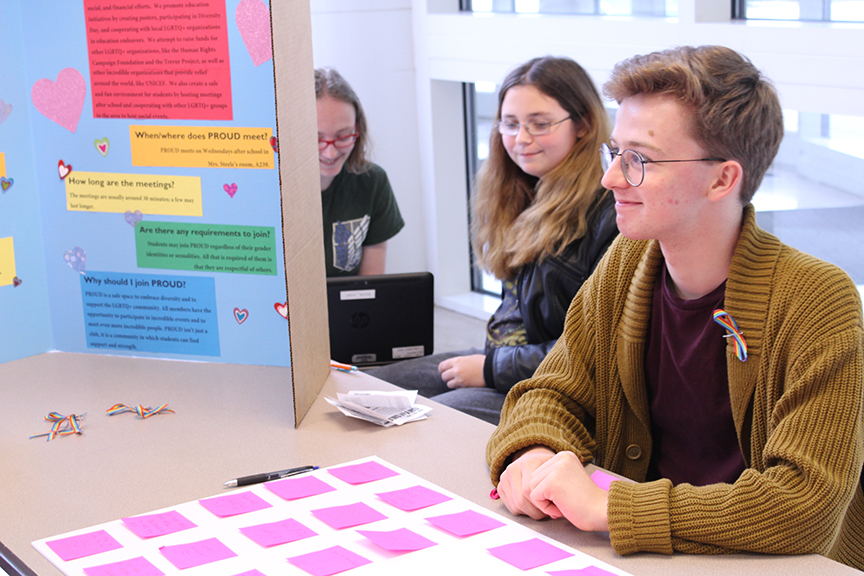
540,484
463,371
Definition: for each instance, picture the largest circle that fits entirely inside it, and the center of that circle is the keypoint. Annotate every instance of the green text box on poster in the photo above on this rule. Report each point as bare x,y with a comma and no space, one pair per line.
206,247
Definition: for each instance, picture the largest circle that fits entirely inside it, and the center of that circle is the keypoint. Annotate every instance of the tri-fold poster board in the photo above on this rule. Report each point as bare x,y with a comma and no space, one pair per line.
146,207
363,517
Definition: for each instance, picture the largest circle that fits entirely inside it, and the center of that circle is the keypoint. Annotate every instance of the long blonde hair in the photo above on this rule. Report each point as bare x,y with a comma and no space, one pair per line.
518,218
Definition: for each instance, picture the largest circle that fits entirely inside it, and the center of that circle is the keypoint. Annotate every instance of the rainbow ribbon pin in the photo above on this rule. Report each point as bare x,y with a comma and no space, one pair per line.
143,412
62,425
725,319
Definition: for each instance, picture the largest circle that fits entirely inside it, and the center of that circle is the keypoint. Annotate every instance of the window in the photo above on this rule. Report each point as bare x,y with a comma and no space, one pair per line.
657,8
811,10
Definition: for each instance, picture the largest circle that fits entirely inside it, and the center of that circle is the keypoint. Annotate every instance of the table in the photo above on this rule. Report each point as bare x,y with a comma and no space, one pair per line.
235,420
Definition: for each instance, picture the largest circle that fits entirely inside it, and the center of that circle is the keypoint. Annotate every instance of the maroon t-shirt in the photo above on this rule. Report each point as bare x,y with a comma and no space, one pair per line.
693,433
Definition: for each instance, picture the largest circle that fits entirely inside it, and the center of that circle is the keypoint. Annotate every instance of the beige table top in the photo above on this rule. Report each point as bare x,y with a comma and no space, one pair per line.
230,421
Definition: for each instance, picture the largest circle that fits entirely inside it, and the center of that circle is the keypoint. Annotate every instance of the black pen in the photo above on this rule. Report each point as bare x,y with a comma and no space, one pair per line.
258,478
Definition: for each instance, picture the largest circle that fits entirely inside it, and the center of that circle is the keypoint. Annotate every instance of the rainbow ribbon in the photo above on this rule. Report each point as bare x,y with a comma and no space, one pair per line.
143,412
62,425
725,319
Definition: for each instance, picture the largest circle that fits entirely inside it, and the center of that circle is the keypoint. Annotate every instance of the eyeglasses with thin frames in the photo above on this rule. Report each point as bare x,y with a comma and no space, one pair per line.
633,163
341,143
533,128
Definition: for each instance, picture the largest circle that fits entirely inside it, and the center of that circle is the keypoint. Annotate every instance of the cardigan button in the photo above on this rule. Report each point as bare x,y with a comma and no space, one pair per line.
633,452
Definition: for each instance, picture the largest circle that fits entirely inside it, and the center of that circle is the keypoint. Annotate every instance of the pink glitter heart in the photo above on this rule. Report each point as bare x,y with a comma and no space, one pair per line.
253,21
230,189
63,100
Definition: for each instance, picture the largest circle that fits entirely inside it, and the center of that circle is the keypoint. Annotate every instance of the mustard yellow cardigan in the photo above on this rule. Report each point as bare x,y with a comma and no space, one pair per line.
797,403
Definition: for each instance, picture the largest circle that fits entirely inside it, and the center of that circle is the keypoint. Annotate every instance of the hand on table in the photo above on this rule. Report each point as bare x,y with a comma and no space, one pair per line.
463,371
540,483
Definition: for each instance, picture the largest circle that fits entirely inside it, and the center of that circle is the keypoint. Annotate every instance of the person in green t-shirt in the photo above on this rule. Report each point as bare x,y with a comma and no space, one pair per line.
358,206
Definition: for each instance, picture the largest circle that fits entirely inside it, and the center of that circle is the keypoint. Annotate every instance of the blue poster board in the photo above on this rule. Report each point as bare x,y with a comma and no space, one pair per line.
140,207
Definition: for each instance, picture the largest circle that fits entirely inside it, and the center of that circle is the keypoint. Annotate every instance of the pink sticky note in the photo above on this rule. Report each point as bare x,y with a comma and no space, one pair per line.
83,545
184,556
133,567
251,573
413,498
401,540
329,561
281,532
347,516
362,473
296,488
152,525
465,523
602,479
233,504
587,571
529,554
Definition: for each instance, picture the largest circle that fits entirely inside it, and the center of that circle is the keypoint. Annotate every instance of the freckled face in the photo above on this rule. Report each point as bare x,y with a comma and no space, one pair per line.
536,155
335,119
671,201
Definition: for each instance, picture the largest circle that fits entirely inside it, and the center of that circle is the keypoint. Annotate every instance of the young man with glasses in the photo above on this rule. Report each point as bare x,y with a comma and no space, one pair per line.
719,368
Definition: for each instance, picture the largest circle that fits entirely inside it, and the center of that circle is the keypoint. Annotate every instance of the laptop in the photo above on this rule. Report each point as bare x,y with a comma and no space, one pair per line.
377,320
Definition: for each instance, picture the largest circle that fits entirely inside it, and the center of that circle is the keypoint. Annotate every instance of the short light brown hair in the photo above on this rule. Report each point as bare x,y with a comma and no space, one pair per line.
328,82
736,111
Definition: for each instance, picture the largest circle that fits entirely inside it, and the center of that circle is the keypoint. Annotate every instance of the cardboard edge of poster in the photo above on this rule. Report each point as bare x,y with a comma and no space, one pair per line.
299,178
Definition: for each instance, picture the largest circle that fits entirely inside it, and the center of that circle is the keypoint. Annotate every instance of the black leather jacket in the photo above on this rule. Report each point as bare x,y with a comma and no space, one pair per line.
545,291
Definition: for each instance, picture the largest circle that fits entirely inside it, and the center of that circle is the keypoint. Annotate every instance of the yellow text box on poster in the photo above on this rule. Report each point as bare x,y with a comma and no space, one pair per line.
201,147
149,193
2,164
7,261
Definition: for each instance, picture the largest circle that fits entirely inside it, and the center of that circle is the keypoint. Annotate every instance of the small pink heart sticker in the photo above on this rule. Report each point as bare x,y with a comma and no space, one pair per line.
240,315
282,309
63,169
231,189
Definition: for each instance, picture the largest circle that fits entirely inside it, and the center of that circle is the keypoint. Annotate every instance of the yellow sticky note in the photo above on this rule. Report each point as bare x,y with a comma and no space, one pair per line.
201,147
149,193
7,261
2,164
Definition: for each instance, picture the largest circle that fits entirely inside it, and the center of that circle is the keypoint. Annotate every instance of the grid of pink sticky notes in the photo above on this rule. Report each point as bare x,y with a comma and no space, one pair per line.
83,545
328,561
465,523
296,488
139,566
362,473
400,540
413,498
587,571
529,554
152,525
275,533
234,504
348,516
184,556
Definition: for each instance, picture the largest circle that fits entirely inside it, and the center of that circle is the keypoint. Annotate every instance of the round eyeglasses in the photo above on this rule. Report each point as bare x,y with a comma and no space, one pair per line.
340,143
533,128
633,163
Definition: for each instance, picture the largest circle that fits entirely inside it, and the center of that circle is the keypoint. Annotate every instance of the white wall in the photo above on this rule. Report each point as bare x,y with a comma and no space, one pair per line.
817,67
